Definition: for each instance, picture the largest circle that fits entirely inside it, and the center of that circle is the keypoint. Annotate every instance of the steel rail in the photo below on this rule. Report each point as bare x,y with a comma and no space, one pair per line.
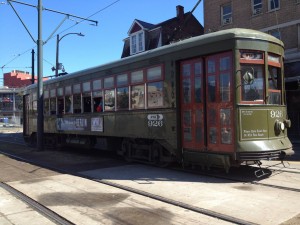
48,213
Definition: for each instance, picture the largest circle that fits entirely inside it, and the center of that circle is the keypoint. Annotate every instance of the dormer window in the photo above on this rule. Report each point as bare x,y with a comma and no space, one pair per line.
137,42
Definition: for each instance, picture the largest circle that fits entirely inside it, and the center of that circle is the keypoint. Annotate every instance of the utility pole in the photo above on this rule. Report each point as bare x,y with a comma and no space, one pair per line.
32,66
40,43
40,119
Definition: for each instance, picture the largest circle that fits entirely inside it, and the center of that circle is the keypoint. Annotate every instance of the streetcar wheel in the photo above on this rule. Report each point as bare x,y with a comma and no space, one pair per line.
127,150
157,155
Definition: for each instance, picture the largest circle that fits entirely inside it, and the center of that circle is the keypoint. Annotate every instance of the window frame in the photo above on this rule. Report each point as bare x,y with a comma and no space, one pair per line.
256,8
253,62
137,42
226,18
270,2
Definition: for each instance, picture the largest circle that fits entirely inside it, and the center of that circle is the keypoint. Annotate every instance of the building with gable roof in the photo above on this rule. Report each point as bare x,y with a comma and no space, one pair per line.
143,36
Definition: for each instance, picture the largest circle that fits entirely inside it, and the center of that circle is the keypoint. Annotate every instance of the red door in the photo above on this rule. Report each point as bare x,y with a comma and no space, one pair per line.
219,102
207,103
192,107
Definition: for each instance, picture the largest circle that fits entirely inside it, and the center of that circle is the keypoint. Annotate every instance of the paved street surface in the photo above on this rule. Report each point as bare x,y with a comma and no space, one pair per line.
85,201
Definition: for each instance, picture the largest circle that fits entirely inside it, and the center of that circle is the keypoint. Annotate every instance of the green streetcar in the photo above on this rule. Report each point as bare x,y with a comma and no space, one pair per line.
212,100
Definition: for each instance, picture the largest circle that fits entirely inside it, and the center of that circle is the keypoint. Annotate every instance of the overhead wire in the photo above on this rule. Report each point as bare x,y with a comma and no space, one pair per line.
77,22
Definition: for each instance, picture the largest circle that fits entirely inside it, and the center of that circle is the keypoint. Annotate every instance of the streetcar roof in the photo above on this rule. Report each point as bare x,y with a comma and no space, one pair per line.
235,33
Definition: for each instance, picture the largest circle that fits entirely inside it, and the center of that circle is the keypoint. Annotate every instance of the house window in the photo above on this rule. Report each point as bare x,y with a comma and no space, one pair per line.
133,44
274,5
141,41
257,7
137,43
226,14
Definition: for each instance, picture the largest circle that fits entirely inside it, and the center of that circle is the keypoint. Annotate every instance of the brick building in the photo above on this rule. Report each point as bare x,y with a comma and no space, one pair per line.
17,78
143,36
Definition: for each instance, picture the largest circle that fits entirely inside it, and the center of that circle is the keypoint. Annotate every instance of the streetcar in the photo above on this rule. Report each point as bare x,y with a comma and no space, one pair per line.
213,100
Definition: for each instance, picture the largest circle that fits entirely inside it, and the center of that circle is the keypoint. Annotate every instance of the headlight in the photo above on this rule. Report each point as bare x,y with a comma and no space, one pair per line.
279,127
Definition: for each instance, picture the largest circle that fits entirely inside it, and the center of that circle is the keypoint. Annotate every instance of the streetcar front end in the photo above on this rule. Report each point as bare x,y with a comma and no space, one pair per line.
261,110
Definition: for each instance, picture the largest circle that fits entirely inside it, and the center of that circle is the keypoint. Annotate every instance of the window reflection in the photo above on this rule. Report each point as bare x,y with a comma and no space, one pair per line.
53,106
187,125
68,104
46,107
198,90
77,103
138,97
155,94
109,100
225,63
274,85
123,98
225,87
212,88
254,91
186,90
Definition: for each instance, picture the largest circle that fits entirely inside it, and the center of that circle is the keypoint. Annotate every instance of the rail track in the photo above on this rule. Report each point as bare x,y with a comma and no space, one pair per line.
167,200
45,211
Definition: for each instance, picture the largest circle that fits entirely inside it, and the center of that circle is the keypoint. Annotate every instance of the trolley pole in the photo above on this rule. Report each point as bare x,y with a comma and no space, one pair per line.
40,109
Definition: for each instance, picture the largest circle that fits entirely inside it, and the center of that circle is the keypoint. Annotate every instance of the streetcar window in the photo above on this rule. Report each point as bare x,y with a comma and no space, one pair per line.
68,99
76,88
87,103
46,94
225,87
86,87
274,85
86,97
98,101
155,94
212,88
186,85
225,122
98,104
187,120
97,84
60,105
53,106
225,117
225,63
68,104
137,77
60,91
198,82
109,82
154,73
109,101
46,102
138,97
199,125
122,80
123,98
186,70
60,100
255,90
213,135
46,107
211,66
68,90
77,103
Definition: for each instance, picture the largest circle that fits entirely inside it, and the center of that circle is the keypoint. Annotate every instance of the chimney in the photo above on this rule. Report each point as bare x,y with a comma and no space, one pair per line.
180,12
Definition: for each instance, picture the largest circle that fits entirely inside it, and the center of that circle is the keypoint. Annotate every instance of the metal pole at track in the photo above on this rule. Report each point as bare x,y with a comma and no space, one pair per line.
40,109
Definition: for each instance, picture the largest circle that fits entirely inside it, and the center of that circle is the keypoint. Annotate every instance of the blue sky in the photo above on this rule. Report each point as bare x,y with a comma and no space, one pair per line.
101,44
